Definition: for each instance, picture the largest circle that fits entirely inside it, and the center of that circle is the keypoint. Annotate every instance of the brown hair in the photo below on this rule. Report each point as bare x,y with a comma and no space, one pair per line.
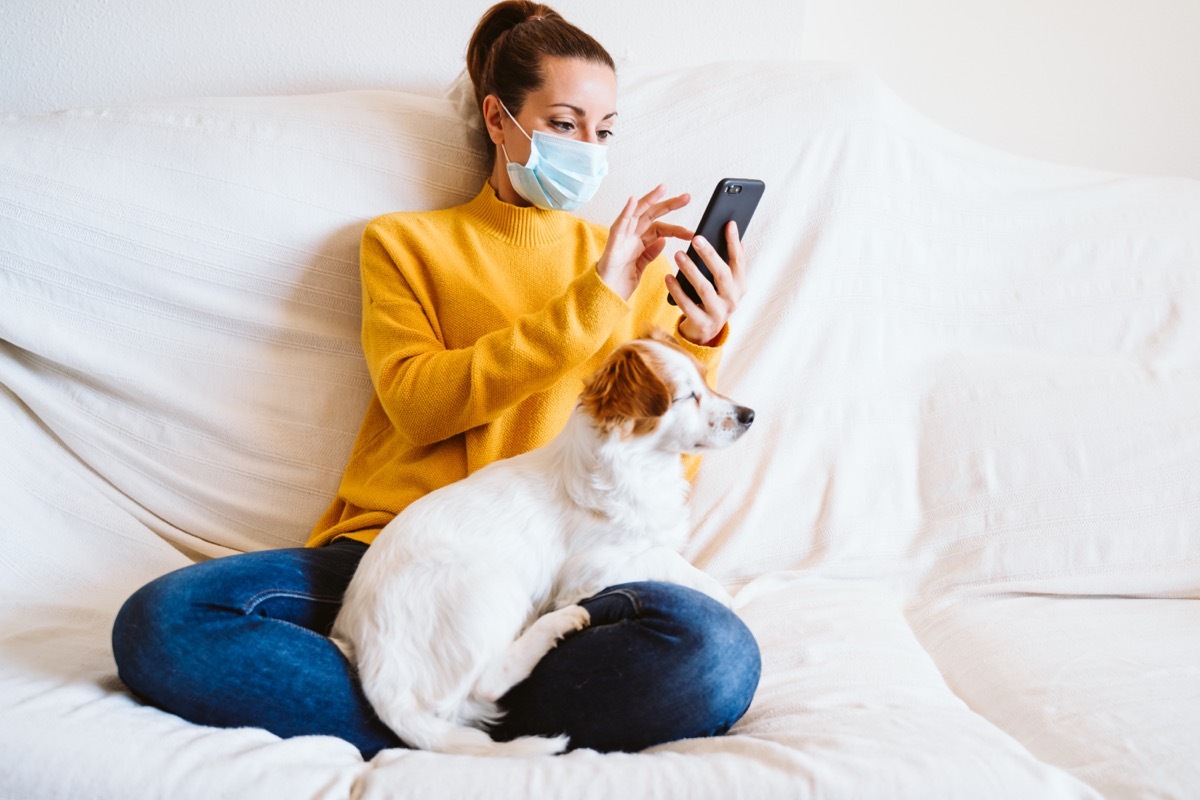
505,54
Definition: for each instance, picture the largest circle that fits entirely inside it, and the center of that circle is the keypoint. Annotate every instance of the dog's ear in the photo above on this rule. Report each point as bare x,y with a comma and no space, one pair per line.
627,393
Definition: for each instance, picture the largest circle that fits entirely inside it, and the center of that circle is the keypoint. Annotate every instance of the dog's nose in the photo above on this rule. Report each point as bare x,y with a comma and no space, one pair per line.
745,415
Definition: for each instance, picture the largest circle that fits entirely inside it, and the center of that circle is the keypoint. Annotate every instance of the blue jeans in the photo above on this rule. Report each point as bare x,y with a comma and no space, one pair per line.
241,642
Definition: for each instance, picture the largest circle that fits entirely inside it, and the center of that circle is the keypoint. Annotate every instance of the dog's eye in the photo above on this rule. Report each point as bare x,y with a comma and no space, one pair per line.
691,396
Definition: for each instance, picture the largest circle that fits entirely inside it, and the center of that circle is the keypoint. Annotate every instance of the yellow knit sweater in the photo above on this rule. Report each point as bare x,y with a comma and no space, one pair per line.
480,323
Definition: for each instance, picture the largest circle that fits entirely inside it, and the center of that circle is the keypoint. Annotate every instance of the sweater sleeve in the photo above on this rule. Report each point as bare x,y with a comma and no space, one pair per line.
431,393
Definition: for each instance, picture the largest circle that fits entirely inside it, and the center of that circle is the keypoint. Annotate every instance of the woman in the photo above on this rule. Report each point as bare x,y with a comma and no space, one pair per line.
479,324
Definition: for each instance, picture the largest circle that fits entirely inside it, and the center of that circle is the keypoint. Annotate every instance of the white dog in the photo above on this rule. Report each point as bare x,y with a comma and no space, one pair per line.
468,588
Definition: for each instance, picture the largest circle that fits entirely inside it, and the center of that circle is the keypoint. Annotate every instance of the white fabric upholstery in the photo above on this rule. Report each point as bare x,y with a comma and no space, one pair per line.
964,528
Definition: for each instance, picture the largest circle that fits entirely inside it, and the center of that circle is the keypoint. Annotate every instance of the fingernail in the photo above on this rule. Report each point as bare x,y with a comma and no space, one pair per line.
701,241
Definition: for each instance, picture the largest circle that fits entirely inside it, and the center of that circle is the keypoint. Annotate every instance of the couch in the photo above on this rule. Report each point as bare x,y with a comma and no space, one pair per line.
965,527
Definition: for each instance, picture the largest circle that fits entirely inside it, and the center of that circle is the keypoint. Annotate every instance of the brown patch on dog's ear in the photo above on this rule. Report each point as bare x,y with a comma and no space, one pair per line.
626,392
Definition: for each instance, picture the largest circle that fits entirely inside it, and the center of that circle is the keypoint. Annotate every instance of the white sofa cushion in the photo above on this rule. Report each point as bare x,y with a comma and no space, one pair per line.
180,300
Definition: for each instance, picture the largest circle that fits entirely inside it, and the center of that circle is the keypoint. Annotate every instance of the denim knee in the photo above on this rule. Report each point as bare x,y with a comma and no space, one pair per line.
139,633
710,661
720,660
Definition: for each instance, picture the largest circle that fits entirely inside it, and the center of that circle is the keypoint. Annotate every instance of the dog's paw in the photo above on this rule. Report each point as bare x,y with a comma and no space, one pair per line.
574,618
552,628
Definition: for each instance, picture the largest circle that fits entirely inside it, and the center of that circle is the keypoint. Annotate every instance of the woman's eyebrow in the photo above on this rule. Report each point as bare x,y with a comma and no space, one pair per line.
580,111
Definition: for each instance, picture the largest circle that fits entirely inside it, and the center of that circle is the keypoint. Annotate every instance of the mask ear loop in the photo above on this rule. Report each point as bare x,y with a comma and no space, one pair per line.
508,160
514,119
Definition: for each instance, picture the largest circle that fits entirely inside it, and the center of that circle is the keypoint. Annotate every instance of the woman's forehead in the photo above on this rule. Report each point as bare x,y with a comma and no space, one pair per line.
578,86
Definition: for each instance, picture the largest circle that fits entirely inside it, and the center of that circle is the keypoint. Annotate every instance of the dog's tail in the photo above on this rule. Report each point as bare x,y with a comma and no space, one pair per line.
429,732
419,726
433,708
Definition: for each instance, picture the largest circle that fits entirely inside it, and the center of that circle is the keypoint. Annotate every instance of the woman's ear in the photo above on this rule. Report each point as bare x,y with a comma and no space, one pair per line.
493,119
626,393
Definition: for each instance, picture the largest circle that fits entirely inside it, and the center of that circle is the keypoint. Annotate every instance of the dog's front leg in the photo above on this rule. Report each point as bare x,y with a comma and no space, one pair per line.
519,658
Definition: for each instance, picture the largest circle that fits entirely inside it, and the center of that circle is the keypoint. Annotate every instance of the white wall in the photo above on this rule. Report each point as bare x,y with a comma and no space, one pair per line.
65,53
1105,83
1113,84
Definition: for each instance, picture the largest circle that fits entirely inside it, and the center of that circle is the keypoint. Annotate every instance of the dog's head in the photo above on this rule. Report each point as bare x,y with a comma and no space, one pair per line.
652,387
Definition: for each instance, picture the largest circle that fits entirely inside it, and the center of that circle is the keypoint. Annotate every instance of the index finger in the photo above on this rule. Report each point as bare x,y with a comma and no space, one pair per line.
662,230
665,207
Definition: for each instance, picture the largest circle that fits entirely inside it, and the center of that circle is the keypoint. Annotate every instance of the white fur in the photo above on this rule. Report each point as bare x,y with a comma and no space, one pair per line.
464,592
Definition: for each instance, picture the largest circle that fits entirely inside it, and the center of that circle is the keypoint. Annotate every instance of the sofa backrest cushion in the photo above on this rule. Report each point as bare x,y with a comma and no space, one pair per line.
180,302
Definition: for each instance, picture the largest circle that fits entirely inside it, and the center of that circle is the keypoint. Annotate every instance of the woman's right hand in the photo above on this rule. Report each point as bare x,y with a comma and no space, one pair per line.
636,239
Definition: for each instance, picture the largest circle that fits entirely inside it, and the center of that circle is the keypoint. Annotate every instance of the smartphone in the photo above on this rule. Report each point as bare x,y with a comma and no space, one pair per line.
733,199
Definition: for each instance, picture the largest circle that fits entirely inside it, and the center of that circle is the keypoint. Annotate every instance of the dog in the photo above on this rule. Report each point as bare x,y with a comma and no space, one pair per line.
465,591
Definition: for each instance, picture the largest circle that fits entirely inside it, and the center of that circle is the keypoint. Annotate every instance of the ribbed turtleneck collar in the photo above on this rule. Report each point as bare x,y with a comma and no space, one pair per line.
522,226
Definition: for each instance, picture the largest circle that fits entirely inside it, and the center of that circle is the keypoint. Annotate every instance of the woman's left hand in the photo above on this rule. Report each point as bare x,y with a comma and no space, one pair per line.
703,323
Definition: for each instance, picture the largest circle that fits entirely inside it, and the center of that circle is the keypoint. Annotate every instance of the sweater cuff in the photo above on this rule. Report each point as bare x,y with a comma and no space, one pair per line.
708,354
603,308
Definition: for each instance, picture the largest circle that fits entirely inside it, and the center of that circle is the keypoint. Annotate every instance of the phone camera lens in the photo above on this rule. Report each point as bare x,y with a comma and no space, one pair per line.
735,189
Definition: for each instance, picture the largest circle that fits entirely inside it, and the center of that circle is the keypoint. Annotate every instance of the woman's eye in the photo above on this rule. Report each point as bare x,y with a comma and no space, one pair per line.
604,135
565,127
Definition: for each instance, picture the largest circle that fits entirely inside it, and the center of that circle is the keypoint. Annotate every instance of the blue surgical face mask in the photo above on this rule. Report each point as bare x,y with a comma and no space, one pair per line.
561,174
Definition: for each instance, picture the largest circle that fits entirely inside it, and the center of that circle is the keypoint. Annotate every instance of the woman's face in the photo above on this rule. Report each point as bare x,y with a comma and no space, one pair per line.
578,100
